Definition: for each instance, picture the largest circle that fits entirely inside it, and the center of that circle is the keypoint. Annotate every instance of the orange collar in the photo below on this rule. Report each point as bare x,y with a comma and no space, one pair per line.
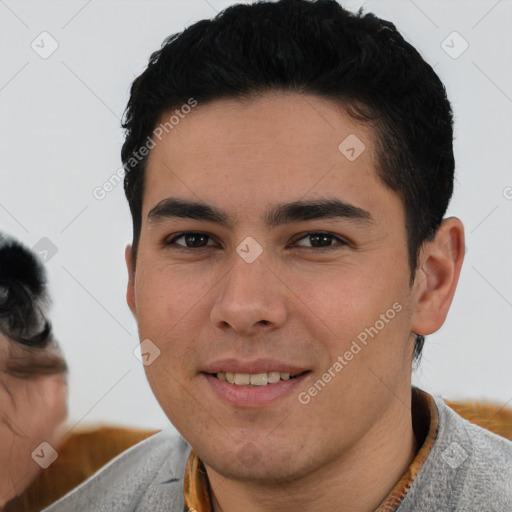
423,405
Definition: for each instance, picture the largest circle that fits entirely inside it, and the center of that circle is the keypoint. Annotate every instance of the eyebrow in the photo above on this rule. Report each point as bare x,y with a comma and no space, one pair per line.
296,211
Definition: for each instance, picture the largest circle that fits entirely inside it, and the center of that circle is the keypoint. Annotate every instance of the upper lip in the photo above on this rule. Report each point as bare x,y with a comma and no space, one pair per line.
233,365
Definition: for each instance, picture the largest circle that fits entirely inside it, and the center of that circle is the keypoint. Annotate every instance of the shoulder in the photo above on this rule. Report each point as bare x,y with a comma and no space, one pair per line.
468,469
486,449
485,462
147,476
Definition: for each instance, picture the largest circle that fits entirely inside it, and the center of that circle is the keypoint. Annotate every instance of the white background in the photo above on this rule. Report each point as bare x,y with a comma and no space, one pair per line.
60,138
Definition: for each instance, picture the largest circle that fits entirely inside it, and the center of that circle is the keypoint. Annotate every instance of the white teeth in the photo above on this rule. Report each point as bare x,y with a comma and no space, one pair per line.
253,379
242,379
259,379
273,377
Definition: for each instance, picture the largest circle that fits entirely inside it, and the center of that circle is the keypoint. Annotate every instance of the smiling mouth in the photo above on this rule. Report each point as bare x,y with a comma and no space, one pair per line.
255,379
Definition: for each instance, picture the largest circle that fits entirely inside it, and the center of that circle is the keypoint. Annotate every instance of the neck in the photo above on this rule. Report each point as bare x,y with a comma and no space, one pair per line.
356,482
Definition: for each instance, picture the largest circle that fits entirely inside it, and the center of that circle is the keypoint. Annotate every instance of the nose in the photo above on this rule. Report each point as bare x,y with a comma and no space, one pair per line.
250,298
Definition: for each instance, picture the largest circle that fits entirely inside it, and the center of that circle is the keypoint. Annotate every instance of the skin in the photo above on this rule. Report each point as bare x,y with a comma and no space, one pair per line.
33,409
297,302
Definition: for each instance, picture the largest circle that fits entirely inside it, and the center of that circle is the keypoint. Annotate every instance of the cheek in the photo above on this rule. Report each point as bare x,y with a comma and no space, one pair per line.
175,390
56,392
371,310
38,416
162,298
9,447
44,410
342,299
170,312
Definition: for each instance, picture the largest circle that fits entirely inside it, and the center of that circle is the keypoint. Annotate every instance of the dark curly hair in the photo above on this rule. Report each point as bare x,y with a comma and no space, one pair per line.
24,301
311,47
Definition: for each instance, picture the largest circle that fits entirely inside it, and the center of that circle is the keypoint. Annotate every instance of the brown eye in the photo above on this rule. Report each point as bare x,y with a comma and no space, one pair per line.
320,240
191,239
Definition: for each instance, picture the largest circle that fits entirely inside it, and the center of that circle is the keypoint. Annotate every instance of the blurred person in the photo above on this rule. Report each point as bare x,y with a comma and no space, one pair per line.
33,388
33,396
288,168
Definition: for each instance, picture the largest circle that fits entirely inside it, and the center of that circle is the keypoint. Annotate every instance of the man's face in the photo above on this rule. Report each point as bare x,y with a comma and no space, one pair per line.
212,303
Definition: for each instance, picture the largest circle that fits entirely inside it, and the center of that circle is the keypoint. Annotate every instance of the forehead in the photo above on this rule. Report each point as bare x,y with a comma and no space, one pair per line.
271,149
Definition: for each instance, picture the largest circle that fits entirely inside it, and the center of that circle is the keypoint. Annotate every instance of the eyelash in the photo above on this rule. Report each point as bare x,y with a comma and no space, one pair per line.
341,241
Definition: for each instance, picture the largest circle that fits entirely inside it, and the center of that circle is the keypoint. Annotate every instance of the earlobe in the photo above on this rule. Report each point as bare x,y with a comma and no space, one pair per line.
440,262
130,289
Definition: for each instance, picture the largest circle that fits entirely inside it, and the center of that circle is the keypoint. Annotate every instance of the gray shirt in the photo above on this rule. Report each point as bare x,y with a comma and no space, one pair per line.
468,469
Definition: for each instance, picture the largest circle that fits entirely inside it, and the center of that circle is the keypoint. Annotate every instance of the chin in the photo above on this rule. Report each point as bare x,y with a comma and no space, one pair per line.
257,464
264,473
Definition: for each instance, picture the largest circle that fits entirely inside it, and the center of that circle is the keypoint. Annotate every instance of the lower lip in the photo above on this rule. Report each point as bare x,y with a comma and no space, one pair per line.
254,397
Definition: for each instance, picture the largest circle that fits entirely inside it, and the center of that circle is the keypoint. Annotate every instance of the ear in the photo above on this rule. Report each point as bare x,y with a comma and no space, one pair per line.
440,262
130,289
